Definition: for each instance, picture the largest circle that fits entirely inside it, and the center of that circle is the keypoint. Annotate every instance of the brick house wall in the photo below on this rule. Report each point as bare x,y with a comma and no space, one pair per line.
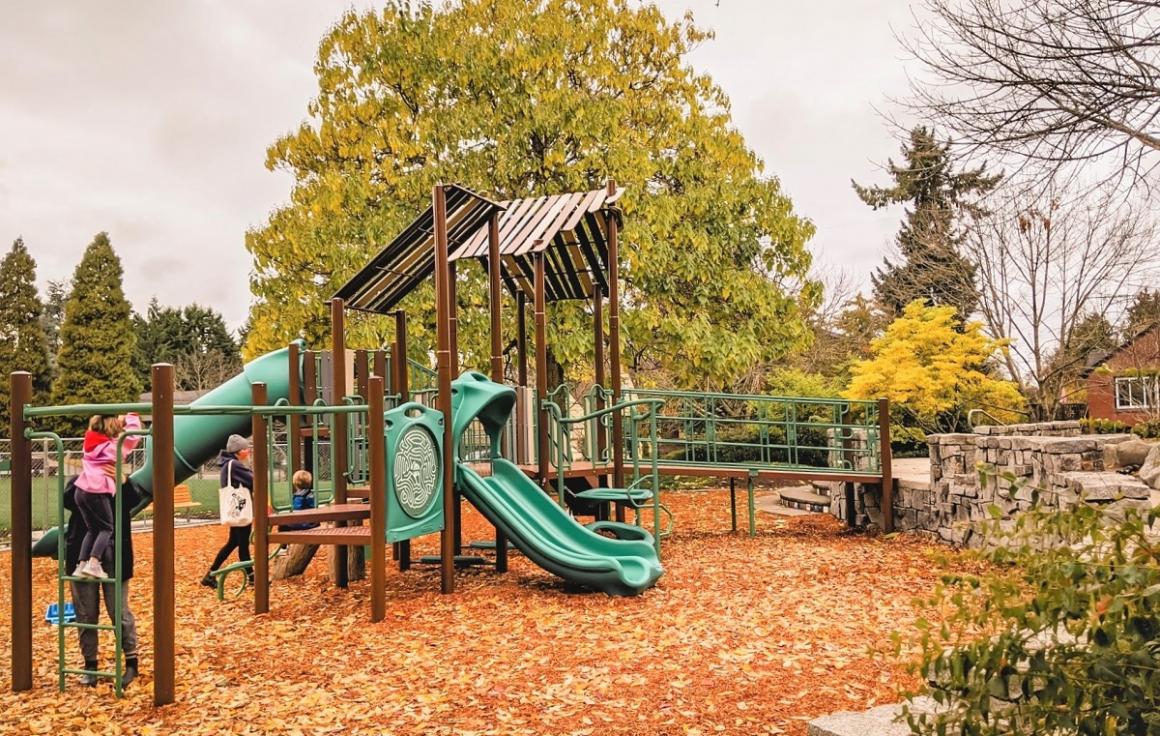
1137,364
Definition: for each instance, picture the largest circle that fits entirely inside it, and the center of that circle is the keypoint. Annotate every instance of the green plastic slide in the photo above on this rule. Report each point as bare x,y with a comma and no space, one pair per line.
530,518
548,536
198,439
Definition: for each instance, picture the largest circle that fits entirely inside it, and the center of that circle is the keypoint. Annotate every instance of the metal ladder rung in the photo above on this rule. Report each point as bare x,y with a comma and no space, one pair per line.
86,579
94,673
93,627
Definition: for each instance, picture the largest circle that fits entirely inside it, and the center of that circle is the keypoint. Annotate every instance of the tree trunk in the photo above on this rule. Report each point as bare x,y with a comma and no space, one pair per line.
295,561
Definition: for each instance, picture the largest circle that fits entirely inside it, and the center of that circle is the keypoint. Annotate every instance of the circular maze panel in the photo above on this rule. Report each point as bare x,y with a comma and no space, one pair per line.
416,471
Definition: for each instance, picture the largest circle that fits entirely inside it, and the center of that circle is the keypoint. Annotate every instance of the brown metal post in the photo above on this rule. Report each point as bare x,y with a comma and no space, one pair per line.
261,463
598,343
21,395
541,369
887,471
338,566
309,377
378,468
164,621
495,306
294,425
379,368
522,337
402,550
443,363
495,298
403,389
453,316
522,373
614,345
362,373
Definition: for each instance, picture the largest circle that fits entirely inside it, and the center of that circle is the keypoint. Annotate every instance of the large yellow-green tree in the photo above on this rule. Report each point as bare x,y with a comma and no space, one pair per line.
516,99
934,370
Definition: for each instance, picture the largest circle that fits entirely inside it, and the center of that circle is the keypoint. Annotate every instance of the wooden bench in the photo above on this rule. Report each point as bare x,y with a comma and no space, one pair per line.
182,499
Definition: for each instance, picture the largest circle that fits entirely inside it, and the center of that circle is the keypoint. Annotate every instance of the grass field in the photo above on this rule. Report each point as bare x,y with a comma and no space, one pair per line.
203,490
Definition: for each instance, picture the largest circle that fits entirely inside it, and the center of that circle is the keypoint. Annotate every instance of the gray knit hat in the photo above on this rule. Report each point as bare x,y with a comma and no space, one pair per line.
236,443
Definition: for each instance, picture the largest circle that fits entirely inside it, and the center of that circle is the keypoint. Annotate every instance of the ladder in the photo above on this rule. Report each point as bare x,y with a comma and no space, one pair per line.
64,575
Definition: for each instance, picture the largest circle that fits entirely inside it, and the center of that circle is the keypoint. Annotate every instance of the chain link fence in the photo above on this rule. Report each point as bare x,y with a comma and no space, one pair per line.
47,469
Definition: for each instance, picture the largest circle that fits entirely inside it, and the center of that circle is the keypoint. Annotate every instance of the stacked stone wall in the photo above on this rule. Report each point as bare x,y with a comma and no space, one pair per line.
1047,465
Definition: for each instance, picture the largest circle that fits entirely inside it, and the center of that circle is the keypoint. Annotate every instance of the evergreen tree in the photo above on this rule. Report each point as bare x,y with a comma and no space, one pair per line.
97,343
55,296
22,343
932,269
1143,312
191,336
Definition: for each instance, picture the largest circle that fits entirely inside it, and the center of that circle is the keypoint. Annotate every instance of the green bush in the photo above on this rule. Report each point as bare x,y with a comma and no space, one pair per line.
1104,426
1148,429
1060,637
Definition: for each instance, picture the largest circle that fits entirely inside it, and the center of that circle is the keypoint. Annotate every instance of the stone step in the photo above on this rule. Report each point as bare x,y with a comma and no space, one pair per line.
803,497
880,721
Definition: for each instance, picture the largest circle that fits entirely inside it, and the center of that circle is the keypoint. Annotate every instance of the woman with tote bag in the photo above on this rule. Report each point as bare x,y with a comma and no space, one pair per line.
236,475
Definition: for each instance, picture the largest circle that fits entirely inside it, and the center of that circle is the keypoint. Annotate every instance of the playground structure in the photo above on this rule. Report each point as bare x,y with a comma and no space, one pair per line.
401,466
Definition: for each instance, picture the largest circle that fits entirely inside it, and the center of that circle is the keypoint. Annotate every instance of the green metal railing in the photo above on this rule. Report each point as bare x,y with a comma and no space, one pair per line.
641,481
804,434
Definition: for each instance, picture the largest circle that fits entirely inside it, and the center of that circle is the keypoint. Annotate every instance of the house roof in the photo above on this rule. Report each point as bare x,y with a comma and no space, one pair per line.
410,258
1098,359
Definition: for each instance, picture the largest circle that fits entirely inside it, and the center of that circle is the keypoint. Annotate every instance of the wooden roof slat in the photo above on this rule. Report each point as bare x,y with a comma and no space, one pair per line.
410,257
539,232
590,203
521,238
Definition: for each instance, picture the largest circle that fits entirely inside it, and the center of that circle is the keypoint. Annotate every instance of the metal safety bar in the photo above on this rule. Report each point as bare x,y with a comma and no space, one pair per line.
634,420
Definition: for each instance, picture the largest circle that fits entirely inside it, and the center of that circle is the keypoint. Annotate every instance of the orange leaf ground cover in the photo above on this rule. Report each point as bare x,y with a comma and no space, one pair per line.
746,636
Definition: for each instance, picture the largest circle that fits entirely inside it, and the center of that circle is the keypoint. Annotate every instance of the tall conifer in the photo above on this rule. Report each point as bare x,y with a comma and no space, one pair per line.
940,197
22,343
97,342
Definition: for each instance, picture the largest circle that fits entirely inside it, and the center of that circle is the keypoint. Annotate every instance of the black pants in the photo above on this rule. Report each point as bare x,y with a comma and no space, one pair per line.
239,540
97,511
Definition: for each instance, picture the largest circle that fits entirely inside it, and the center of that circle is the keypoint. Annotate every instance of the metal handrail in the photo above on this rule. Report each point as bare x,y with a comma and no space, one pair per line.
634,418
754,431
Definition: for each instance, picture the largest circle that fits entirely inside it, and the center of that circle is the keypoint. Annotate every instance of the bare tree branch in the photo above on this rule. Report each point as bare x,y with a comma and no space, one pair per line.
1049,81
1048,263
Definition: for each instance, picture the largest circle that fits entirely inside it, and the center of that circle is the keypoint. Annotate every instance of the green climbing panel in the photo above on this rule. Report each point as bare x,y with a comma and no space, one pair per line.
414,471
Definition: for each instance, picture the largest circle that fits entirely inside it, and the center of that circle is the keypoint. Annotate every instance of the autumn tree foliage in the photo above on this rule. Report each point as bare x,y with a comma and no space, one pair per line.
940,202
934,369
97,343
22,342
516,99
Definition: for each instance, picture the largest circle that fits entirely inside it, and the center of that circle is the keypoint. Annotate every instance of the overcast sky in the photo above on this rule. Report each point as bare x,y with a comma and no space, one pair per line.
150,120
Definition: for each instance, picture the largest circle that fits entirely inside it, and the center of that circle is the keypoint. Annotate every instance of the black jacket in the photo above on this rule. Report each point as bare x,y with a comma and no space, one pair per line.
75,531
239,475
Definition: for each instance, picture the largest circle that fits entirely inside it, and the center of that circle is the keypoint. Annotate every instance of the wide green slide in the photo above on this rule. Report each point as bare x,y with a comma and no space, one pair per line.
530,518
198,439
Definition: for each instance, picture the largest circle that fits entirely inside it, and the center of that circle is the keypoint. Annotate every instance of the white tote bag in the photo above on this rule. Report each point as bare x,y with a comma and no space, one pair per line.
234,504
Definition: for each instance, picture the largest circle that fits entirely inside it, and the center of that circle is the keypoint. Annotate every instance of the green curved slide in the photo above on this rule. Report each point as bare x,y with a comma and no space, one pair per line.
530,518
197,439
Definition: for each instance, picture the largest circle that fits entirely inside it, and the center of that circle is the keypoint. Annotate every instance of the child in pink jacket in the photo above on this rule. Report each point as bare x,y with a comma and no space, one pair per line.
96,488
